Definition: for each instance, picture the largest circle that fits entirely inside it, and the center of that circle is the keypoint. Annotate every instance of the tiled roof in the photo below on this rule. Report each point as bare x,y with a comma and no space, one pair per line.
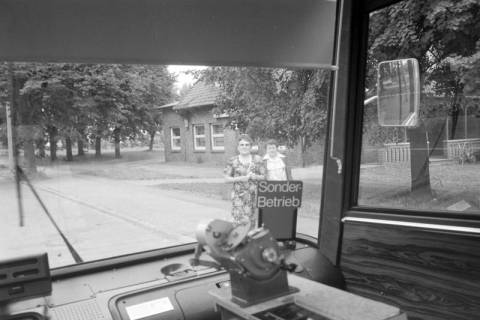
201,94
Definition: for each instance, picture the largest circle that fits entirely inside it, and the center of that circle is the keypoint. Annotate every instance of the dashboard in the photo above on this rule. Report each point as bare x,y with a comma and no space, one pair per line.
163,289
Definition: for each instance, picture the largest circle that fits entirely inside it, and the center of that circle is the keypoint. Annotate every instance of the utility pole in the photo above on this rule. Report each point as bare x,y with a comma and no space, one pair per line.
12,142
11,159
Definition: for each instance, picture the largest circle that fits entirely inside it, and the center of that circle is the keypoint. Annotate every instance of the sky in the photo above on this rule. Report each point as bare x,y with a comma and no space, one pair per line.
182,77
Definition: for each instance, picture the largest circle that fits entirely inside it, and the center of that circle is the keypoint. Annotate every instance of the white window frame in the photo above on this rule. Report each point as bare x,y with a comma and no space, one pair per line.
175,137
199,136
216,135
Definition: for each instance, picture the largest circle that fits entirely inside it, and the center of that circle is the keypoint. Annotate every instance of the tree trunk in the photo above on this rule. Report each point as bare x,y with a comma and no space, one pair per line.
68,147
152,139
80,150
438,137
419,162
22,118
29,155
29,152
98,147
52,133
303,151
40,143
116,137
455,113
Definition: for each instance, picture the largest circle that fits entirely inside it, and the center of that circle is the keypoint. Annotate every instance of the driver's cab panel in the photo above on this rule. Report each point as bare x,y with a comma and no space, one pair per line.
167,289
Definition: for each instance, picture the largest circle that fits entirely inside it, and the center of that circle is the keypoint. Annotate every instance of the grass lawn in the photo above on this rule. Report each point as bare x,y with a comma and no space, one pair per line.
389,186
380,186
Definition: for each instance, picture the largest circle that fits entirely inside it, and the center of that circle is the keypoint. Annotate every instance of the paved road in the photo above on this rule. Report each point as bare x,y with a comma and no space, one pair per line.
103,218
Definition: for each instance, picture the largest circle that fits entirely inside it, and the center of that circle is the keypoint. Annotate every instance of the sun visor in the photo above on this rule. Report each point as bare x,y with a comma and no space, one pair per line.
295,33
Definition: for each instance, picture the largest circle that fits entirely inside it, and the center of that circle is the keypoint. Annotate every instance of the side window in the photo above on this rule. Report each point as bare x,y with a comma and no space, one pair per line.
199,140
435,165
175,139
217,136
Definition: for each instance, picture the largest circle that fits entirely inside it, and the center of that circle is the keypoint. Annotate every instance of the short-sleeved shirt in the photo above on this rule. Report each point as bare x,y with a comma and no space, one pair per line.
276,168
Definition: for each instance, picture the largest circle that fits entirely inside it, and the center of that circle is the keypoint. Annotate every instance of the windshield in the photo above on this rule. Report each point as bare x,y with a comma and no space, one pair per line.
119,159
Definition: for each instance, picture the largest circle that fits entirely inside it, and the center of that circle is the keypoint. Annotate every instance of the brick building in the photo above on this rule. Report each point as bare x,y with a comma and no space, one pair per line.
193,133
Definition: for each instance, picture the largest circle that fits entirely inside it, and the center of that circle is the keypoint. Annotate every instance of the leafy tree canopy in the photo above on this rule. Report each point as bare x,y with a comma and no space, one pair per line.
444,36
75,100
432,31
289,105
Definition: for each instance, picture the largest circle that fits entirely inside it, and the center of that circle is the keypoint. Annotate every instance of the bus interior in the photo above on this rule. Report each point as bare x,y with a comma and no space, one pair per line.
374,104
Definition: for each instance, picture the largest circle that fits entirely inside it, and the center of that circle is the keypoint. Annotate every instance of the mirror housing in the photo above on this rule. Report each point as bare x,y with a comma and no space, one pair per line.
398,91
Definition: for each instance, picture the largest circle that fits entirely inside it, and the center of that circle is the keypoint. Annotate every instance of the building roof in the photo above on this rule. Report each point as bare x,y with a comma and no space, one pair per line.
201,94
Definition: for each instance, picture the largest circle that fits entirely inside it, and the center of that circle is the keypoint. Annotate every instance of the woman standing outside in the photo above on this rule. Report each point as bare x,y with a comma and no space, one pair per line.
244,170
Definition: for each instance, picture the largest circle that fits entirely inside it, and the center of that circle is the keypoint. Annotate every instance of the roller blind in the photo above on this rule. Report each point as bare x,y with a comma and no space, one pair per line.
203,32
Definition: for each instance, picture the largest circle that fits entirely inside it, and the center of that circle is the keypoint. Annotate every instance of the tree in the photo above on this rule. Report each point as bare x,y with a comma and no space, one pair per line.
24,109
52,85
121,100
432,32
289,105
184,90
152,86
101,93
72,101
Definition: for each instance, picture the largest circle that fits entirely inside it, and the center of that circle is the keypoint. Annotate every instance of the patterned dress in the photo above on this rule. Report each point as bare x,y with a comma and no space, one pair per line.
244,193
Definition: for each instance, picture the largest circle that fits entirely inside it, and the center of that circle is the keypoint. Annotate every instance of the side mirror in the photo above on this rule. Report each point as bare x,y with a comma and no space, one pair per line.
398,91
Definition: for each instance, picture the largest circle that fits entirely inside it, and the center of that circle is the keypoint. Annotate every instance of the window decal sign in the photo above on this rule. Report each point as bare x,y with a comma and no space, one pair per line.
279,194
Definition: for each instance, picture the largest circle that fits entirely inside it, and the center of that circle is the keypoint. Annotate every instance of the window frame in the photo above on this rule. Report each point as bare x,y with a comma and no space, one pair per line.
195,58
354,127
173,137
216,135
340,187
197,136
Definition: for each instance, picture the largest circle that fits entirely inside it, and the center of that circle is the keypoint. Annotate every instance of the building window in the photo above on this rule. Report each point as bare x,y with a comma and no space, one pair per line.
175,139
199,140
217,136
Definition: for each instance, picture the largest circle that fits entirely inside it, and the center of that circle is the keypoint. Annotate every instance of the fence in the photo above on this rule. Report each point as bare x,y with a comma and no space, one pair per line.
396,152
455,148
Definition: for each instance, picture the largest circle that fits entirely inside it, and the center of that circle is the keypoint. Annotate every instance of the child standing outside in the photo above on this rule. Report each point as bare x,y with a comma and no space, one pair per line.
274,163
